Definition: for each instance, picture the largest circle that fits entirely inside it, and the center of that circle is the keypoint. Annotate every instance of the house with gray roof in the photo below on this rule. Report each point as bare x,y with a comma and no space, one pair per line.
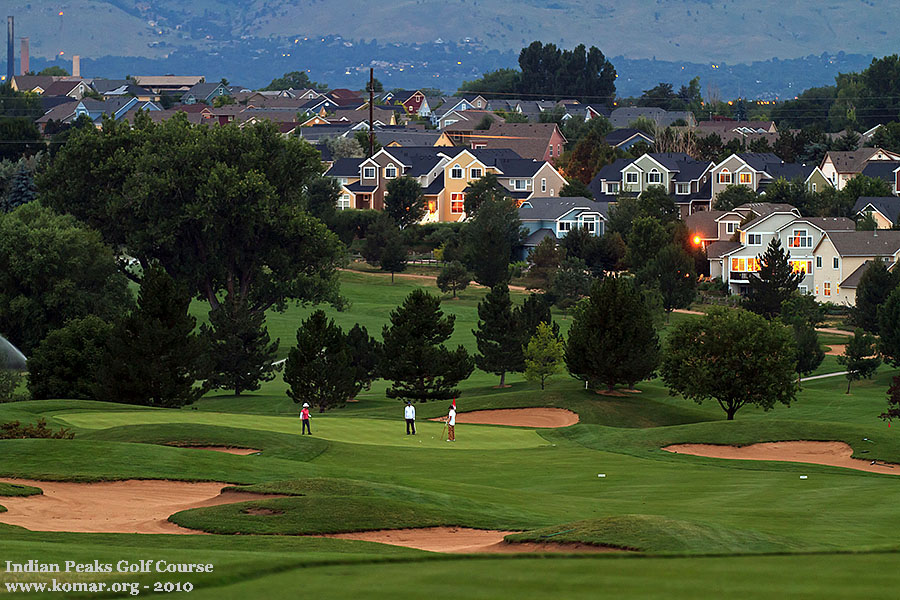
885,210
889,171
839,167
205,93
841,257
758,170
555,217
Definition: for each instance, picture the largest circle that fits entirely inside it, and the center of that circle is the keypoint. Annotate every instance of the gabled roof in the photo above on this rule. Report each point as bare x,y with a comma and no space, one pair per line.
552,207
883,242
832,223
763,210
26,83
407,138
61,112
358,187
888,206
203,90
538,236
759,161
720,249
620,136
704,224
790,171
62,87
882,169
850,161
852,280
436,186
529,140
345,167
418,160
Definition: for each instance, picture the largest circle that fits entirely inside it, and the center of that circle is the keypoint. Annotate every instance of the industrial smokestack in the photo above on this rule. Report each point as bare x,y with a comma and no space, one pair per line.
10,50
24,67
76,66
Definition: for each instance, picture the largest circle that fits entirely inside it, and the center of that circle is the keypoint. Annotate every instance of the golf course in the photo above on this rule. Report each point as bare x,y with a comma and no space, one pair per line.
522,506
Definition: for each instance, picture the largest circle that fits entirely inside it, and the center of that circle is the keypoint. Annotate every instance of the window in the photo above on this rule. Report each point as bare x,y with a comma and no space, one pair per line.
590,224
827,288
551,150
552,192
801,266
729,227
475,173
682,188
543,184
565,226
754,239
725,176
745,178
432,206
558,149
519,184
818,262
456,172
343,202
390,172
836,262
745,264
803,289
612,188
631,177
814,186
457,203
368,172
654,176
799,239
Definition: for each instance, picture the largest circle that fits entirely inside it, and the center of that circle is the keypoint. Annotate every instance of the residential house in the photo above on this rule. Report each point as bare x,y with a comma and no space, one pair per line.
623,117
885,210
411,100
205,93
627,137
843,256
36,84
555,217
67,87
721,126
113,107
705,229
592,111
685,179
841,167
109,88
345,97
757,170
460,126
412,137
456,103
168,84
887,170
538,141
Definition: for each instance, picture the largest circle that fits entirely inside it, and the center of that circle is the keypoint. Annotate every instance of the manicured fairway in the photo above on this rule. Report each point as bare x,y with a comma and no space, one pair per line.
378,432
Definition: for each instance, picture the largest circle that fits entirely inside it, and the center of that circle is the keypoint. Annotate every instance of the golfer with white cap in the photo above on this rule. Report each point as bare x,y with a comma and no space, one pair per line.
304,418
409,413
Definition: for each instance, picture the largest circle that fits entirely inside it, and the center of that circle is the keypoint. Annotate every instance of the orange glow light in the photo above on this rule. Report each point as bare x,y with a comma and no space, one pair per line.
696,240
60,13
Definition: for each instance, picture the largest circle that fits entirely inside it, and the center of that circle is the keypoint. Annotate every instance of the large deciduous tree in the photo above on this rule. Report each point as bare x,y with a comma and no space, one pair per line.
734,196
53,269
733,357
404,201
497,335
773,283
414,357
810,353
889,328
612,339
486,188
152,356
221,209
65,363
672,271
543,355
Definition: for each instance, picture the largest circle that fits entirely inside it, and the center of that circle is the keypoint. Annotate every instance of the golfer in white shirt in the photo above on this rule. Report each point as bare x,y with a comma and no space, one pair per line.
409,413
451,424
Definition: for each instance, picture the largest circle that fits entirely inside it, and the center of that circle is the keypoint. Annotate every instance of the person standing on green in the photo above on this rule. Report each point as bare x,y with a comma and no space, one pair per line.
304,418
409,413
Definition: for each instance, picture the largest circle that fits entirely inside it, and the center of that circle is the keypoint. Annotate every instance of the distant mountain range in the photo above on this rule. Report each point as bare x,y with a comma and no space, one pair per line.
440,43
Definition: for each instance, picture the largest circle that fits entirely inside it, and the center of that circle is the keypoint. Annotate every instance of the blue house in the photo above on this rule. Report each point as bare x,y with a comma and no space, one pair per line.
115,107
205,92
555,217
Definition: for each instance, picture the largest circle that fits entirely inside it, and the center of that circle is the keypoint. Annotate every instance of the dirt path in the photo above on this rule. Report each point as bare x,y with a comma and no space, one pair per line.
432,278
834,331
225,449
685,311
519,417
833,454
133,506
462,540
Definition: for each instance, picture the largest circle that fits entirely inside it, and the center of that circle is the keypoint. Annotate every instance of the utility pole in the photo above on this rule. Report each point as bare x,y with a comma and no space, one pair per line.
371,111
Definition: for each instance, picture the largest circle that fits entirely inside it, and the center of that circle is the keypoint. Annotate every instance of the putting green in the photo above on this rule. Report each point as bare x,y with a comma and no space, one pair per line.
354,430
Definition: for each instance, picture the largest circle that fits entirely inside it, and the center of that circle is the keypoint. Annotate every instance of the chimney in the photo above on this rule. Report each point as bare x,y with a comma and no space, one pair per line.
24,67
76,66
10,50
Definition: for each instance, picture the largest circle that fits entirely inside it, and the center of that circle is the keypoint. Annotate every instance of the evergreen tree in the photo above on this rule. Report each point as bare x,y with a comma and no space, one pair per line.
860,357
874,287
612,339
413,354
378,235
404,201
21,190
152,356
544,260
491,237
575,188
239,354
480,190
889,328
322,194
570,283
773,283
393,256
672,271
453,278
497,337
319,369
810,353
543,355
365,352
531,313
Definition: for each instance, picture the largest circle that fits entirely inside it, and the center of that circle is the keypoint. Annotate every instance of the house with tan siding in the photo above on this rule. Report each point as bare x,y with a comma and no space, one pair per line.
842,256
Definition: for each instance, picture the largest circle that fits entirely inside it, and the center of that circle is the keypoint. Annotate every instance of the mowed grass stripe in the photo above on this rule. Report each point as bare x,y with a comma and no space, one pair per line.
353,430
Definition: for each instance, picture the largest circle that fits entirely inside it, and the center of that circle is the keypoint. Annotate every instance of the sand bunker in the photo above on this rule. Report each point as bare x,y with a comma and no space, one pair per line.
835,349
833,454
519,417
462,540
225,449
133,506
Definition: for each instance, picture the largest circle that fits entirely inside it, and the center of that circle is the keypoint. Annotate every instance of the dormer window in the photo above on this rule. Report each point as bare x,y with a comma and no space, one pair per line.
631,177
390,172
475,173
456,172
612,187
682,189
368,172
654,176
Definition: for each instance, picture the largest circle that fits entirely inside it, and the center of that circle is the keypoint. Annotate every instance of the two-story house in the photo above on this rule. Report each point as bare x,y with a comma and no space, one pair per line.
205,93
888,170
757,170
841,258
537,141
839,167
885,210
555,217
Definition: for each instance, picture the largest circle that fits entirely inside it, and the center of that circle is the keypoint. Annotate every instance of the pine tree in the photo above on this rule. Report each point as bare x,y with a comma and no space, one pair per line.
453,277
544,261
152,356
531,313
612,339
810,353
499,344
773,283
365,352
673,272
874,287
543,355
238,348
413,354
393,256
889,328
860,357
491,236
319,369
21,190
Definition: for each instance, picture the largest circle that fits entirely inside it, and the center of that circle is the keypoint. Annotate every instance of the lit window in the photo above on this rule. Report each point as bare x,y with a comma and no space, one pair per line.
827,288
654,176
390,172
368,172
456,172
457,203
745,178
475,173
631,177
799,239
725,176
543,184
432,206
801,266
